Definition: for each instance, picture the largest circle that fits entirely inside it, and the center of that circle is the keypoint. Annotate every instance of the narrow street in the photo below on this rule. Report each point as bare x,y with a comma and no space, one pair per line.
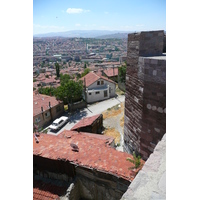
94,109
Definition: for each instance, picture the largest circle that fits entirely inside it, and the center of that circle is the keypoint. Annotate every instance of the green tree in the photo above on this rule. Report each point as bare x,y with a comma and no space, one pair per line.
78,75
86,71
122,73
136,161
64,78
70,91
50,91
57,70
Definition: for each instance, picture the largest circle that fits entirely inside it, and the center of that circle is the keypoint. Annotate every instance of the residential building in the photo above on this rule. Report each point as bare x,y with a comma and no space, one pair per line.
92,124
97,88
85,164
45,109
111,73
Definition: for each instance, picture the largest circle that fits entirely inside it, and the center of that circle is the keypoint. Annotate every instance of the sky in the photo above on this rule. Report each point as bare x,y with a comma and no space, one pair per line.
123,15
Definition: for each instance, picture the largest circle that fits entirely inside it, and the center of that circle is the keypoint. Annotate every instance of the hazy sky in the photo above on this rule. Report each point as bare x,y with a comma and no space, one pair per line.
131,15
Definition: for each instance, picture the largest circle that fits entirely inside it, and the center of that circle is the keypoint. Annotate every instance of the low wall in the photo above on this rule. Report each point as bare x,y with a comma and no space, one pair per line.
94,185
122,86
150,182
77,105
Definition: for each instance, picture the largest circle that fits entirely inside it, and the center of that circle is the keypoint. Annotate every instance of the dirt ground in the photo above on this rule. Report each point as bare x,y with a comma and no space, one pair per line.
113,121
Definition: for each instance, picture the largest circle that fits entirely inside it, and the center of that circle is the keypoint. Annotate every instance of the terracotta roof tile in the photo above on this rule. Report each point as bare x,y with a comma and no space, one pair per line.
111,72
94,152
92,77
87,121
40,100
42,190
49,80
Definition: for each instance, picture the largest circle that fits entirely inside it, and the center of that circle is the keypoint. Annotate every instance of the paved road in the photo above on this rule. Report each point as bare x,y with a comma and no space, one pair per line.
91,110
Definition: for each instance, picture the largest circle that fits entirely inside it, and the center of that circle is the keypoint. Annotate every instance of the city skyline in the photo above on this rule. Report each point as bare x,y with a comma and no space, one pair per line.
53,16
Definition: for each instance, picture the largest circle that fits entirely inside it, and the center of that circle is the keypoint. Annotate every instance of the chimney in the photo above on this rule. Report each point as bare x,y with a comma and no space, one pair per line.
49,104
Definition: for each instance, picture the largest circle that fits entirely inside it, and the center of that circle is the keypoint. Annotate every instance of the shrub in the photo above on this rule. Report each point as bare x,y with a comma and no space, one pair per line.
136,161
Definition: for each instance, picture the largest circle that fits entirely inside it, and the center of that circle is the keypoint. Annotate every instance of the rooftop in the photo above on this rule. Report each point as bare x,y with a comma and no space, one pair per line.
92,77
94,152
40,100
47,191
87,121
111,72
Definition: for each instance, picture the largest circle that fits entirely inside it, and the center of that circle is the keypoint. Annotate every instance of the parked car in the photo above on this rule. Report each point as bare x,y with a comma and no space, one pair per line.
57,124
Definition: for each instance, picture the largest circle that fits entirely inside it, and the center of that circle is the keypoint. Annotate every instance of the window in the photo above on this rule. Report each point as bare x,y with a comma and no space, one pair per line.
98,82
47,114
96,92
61,121
105,93
102,82
109,90
37,119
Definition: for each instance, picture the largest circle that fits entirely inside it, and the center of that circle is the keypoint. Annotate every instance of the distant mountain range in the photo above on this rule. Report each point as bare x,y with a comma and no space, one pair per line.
101,34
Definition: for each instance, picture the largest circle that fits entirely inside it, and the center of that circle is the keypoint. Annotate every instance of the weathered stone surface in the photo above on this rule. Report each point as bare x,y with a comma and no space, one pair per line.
145,106
150,182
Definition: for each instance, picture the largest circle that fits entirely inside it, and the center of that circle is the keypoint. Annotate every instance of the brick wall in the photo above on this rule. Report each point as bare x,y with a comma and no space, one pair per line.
145,105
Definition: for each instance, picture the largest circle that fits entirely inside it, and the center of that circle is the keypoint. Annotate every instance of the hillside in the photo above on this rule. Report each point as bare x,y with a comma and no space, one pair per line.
101,34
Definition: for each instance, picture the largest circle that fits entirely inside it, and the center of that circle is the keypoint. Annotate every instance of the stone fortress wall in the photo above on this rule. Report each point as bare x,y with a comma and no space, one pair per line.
145,105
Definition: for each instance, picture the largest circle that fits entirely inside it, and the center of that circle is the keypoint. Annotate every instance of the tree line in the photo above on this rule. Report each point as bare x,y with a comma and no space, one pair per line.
69,90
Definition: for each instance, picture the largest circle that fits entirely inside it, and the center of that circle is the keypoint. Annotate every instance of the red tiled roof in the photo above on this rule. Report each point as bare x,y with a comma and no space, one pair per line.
111,72
87,121
94,152
46,191
49,80
92,77
41,100
98,73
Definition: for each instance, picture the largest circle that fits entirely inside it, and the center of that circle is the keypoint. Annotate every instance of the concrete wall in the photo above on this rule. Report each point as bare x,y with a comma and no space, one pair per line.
106,83
77,105
150,182
145,105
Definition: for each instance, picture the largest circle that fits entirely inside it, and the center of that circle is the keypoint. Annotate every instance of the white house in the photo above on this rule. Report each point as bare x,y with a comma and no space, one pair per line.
97,87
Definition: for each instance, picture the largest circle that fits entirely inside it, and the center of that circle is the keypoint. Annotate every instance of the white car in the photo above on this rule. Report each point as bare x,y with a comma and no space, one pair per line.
58,123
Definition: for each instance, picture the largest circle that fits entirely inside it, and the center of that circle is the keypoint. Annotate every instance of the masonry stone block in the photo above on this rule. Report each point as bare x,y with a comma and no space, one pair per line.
145,108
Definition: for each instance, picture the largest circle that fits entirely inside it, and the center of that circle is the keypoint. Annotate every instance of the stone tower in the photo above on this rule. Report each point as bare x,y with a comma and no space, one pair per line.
145,104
